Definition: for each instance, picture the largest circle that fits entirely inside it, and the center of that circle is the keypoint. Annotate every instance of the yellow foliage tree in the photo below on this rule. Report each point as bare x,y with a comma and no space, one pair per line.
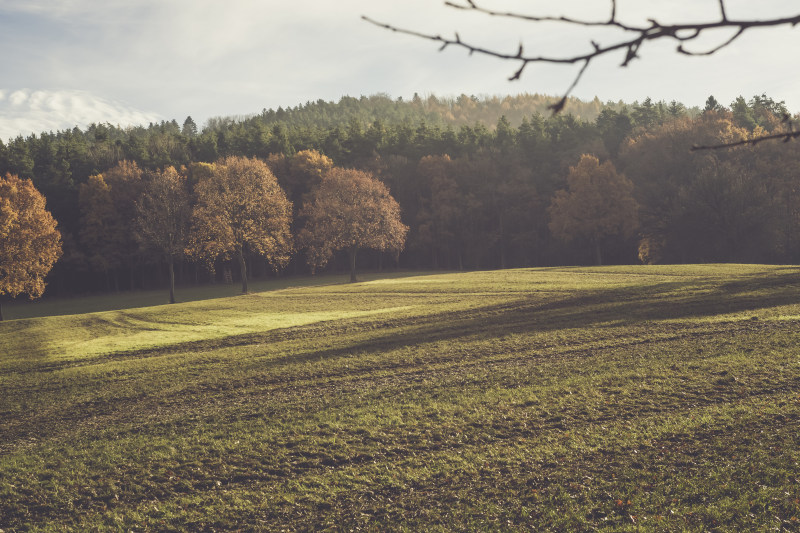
300,173
351,210
597,203
163,217
240,209
30,244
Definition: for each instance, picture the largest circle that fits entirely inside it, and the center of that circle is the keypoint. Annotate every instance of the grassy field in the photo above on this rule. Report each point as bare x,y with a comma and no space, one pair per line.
50,306
570,399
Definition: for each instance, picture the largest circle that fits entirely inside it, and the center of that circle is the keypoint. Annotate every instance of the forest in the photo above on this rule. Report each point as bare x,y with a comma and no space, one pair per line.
481,183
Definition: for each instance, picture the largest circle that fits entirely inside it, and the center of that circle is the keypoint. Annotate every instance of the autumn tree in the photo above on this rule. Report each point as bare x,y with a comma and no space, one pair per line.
300,173
30,244
163,217
241,209
108,212
597,203
97,223
712,205
351,211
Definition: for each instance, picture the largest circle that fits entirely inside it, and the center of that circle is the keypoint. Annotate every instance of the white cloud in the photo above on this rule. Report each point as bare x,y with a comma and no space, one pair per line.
60,8
27,112
17,98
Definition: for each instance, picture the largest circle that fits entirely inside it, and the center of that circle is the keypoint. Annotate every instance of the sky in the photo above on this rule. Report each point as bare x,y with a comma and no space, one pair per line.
69,63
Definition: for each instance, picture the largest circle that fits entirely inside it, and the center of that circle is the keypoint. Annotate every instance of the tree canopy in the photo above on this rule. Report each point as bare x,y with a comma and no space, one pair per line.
597,202
163,216
241,208
30,244
473,178
351,210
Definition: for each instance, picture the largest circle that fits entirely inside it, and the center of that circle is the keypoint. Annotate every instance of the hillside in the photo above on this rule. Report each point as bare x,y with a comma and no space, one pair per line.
666,397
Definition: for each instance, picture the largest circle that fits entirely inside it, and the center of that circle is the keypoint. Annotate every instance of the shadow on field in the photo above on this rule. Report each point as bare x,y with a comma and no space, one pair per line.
670,300
665,301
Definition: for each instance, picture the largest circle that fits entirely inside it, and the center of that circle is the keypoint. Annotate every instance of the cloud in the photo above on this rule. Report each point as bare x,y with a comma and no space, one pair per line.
26,111
209,58
18,98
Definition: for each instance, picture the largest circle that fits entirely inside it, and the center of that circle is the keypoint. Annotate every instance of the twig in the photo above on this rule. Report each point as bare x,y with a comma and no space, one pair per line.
682,33
786,137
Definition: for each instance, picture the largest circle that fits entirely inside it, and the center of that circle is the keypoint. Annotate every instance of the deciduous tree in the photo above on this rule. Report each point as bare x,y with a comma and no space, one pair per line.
30,244
240,209
108,212
351,211
97,222
597,203
163,217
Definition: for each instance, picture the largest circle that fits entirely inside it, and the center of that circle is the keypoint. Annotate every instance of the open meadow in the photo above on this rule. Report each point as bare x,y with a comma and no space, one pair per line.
628,398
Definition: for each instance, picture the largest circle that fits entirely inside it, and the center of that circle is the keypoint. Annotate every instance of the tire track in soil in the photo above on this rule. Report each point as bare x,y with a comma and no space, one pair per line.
131,410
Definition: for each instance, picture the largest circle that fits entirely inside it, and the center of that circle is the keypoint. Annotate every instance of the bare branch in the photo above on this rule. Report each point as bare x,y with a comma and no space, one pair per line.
785,137
558,106
738,34
472,6
630,46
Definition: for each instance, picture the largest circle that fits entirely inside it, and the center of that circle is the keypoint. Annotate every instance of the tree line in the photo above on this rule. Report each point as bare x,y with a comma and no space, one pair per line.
230,210
617,184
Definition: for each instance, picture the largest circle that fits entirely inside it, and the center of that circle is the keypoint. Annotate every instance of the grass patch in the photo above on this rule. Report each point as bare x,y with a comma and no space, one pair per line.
623,398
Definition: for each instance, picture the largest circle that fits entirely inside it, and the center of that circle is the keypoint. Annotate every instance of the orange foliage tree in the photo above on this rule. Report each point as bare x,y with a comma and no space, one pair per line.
597,203
240,209
163,217
306,169
30,244
108,213
351,210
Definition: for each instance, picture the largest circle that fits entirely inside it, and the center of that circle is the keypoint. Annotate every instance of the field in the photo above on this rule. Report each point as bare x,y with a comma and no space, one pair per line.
625,398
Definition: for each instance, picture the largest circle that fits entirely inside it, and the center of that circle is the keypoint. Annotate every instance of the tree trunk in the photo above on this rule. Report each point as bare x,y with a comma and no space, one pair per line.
1,311
353,253
502,245
243,267
171,264
597,255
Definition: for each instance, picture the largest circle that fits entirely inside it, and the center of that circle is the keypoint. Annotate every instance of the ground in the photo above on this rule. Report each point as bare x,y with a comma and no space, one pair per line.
662,398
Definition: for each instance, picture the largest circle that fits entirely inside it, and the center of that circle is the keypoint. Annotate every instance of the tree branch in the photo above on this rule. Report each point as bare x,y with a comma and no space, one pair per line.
722,9
682,33
785,136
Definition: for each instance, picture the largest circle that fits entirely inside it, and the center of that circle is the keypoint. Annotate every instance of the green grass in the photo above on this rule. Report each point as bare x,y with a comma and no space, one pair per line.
51,306
661,398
